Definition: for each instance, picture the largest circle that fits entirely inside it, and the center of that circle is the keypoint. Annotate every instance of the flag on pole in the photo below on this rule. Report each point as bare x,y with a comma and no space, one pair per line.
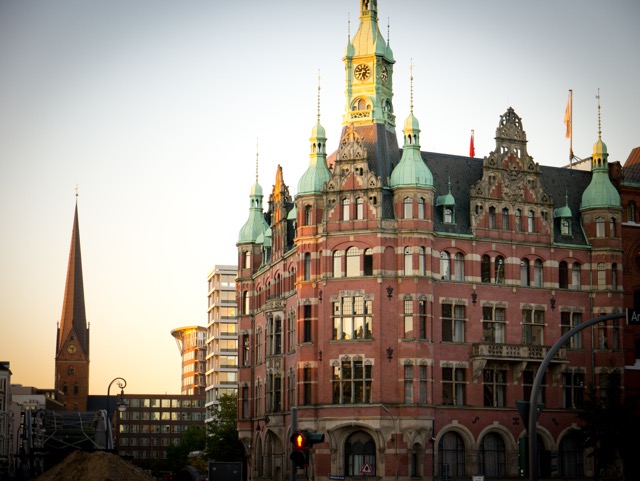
567,116
472,149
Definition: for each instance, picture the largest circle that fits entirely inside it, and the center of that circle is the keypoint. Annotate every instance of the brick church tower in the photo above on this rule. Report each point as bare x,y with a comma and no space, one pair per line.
72,342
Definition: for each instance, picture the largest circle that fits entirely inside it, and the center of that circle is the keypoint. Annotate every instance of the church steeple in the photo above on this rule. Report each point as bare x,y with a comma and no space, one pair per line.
72,343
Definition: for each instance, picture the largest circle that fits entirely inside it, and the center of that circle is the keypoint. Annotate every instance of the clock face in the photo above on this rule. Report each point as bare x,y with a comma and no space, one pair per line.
362,72
384,75
71,348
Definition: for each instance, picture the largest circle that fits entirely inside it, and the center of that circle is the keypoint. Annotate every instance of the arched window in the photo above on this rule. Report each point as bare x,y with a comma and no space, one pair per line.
565,227
65,389
353,262
614,276
524,272
531,222
358,450
345,209
571,457
422,261
445,266
368,262
451,455
359,208
493,456
75,388
421,208
575,276
505,219
415,457
458,267
485,269
245,303
602,276
631,212
518,226
537,273
563,275
246,259
408,208
500,270
612,227
337,264
600,227
307,266
408,261
492,217
307,215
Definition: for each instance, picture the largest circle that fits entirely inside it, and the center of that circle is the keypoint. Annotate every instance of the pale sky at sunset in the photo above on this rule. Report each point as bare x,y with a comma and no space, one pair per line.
153,108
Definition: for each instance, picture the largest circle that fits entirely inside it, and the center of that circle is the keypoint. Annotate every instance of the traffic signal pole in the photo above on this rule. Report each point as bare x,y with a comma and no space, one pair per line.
537,382
294,428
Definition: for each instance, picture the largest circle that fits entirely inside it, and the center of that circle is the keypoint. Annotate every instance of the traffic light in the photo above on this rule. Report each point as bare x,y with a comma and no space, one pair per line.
301,442
300,449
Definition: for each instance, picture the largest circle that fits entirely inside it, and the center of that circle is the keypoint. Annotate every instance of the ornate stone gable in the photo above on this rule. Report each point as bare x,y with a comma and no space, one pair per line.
511,179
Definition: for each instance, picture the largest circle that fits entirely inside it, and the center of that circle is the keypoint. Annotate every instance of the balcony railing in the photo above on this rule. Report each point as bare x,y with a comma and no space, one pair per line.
515,352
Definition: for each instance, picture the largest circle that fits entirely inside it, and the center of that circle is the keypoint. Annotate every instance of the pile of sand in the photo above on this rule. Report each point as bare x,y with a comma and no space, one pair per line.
95,466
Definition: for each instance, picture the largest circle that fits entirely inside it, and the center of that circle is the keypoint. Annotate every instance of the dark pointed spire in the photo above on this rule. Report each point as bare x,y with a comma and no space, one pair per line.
73,310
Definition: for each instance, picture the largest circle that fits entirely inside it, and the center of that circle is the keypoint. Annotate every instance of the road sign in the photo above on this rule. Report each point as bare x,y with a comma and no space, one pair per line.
366,468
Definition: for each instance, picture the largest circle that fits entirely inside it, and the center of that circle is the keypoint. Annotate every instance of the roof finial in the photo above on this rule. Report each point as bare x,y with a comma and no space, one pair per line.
76,191
349,26
318,95
599,123
388,29
411,80
256,160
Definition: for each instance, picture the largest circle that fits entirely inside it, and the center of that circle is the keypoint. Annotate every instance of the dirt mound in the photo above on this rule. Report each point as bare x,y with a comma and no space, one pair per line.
95,466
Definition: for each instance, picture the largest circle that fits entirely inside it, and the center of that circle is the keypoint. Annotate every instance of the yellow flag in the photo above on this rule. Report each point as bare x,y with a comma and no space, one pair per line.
567,117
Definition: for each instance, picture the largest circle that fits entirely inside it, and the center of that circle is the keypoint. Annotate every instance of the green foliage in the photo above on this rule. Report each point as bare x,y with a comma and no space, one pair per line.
222,439
193,439
605,420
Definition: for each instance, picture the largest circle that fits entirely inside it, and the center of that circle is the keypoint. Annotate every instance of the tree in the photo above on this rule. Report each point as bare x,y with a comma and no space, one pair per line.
222,440
193,439
605,422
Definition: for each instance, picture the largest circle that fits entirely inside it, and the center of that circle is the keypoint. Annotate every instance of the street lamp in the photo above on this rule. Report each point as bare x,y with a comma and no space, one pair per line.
121,402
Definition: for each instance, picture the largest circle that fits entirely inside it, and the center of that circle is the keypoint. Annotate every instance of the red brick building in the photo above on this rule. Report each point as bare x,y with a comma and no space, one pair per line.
72,340
403,300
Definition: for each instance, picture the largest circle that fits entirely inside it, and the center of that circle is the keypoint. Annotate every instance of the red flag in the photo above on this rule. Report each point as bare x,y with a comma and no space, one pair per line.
472,149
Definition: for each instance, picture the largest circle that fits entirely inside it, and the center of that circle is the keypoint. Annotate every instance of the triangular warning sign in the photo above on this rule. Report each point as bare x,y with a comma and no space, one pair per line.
366,468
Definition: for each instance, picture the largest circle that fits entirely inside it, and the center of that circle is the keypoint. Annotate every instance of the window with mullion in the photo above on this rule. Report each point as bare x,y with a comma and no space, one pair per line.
533,327
495,387
569,320
453,386
352,382
572,390
352,318
493,324
453,319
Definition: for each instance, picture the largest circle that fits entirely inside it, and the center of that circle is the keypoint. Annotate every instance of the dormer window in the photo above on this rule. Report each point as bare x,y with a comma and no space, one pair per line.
565,227
448,215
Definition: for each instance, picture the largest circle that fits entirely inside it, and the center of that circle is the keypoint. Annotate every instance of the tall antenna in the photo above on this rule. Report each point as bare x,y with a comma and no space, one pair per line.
411,80
318,95
256,160
599,120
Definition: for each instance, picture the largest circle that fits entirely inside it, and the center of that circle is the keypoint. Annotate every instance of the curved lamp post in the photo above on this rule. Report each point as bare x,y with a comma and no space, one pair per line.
121,402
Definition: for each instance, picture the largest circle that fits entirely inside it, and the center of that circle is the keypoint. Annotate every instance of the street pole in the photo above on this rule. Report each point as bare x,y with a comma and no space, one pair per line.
537,383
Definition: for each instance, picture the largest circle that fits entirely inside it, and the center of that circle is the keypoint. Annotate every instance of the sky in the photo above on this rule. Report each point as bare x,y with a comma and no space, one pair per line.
157,109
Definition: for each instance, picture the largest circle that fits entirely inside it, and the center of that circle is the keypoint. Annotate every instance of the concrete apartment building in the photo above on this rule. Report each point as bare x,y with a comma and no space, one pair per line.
191,341
222,334
403,300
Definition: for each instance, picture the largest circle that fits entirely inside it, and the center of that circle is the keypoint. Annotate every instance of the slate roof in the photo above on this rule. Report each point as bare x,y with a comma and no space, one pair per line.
466,171
631,167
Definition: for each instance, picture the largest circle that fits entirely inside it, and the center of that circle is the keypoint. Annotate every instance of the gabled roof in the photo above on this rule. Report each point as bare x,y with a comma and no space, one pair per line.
631,167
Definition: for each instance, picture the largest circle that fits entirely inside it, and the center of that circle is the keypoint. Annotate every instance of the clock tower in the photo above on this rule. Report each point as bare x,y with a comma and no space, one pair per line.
72,342
369,68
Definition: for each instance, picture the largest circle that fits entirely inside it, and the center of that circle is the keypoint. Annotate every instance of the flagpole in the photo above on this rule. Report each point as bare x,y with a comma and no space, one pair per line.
571,127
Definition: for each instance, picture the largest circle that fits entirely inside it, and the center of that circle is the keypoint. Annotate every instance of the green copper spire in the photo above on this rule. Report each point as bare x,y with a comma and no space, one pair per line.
255,225
448,199
565,211
411,170
600,193
313,180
